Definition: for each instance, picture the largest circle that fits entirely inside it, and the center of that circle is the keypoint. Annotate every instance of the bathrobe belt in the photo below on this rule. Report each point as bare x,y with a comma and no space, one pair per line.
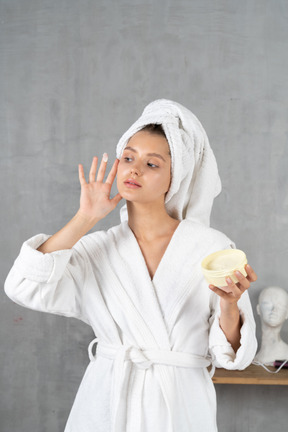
124,356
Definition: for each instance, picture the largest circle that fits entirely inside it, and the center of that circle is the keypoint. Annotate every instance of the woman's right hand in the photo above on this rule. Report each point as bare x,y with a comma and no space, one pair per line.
95,200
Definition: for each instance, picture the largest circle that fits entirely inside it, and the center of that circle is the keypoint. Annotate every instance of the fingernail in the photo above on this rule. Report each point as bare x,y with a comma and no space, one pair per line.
229,280
105,157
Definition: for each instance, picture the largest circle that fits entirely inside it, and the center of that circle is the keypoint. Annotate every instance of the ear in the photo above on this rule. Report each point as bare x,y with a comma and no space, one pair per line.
258,309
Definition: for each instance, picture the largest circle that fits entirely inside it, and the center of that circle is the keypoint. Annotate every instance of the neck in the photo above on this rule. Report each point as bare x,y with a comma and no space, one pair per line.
150,221
270,334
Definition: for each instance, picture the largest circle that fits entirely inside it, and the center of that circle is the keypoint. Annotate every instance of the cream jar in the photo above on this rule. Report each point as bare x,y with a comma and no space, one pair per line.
219,265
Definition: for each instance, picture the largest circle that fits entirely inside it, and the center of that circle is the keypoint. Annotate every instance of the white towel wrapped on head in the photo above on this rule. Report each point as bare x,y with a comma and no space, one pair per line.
195,179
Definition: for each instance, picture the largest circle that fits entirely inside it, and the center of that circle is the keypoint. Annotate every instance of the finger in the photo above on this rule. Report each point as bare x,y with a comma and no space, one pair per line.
112,174
93,169
235,288
81,175
251,275
229,288
116,199
220,292
102,169
243,283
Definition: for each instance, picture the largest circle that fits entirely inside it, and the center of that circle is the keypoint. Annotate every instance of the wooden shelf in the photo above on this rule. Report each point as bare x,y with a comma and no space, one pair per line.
252,375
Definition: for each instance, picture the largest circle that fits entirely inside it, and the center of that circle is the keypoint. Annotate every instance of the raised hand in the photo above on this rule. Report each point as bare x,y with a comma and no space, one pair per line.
95,204
95,200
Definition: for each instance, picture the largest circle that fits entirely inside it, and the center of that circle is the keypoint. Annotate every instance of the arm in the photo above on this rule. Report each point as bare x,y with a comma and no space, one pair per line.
95,204
230,320
49,275
50,282
230,323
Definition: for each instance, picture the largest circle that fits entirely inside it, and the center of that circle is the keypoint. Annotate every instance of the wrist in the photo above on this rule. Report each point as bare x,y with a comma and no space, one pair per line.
229,308
85,221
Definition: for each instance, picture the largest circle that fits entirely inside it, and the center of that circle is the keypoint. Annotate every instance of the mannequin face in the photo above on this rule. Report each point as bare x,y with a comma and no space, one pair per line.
273,306
144,169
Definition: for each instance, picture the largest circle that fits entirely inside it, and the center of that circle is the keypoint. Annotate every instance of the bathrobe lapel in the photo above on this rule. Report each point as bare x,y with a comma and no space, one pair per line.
153,304
139,286
179,273
159,299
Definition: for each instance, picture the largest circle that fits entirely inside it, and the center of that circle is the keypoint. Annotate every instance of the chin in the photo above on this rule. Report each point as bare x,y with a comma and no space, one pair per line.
274,323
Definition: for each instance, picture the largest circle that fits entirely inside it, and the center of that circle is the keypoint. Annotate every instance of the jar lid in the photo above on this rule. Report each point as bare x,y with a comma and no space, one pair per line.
223,262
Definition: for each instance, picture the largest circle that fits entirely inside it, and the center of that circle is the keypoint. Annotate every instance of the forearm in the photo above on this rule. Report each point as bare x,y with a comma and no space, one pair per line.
69,235
230,323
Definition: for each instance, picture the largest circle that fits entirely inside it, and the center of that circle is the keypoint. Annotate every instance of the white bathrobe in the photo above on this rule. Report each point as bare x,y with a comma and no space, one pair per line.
149,372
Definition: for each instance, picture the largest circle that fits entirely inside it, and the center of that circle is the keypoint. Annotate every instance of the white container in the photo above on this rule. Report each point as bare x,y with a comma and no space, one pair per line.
219,265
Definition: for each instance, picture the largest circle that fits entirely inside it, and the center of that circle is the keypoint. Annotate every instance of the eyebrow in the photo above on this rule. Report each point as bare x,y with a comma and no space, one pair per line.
148,154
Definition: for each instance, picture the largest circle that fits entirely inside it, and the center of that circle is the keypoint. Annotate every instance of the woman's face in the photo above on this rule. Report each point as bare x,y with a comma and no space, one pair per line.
144,169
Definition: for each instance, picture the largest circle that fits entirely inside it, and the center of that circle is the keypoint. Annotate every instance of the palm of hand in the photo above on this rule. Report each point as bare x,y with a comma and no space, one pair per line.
95,201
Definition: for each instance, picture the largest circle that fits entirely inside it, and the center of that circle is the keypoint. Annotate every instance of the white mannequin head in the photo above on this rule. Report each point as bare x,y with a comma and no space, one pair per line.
273,310
273,306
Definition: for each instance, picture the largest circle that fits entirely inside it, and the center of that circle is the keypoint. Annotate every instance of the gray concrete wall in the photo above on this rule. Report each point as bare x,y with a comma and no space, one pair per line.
74,76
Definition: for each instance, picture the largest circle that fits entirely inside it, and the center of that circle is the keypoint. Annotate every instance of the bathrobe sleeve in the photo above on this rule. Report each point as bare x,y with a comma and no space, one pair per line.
221,350
52,282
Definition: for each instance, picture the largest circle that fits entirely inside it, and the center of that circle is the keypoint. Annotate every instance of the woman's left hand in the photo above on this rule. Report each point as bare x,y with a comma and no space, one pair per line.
231,293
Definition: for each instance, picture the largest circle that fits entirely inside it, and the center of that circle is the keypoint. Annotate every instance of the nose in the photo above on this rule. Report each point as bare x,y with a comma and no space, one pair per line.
136,171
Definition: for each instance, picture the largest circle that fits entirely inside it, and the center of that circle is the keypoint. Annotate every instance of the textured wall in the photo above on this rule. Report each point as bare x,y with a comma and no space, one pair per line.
74,76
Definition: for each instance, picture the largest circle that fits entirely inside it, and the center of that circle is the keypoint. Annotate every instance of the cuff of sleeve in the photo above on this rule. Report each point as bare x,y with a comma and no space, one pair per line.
39,267
222,352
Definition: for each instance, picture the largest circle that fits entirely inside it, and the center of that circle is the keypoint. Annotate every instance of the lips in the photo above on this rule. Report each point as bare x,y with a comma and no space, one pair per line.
132,183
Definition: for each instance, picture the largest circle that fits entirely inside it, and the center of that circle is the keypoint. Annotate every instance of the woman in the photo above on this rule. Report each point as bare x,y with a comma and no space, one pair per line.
139,285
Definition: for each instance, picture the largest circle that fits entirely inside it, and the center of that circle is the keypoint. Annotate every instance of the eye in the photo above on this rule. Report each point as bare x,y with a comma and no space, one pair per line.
127,159
151,165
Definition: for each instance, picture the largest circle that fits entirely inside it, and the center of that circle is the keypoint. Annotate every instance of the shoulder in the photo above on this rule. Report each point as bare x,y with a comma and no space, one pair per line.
206,234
